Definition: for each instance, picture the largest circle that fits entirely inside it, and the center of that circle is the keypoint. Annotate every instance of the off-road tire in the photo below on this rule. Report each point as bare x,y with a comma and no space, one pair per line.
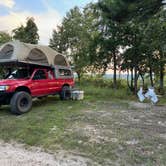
21,102
65,94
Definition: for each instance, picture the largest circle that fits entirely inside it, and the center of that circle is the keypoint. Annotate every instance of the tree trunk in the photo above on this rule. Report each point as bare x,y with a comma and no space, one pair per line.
150,71
162,73
143,81
161,79
114,77
119,74
151,77
128,80
132,80
79,76
135,80
104,70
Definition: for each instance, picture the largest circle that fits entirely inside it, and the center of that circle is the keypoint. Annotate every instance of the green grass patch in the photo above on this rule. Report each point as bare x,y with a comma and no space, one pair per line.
97,127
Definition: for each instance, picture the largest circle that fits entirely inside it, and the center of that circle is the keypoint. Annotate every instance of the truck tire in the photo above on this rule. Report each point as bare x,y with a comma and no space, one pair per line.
65,94
21,102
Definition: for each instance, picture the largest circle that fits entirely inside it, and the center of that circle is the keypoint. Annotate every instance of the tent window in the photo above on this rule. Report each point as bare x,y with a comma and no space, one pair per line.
60,60
37,56
6,52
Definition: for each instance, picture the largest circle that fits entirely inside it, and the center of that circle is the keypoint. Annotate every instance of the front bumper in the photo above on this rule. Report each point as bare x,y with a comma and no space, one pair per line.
5,97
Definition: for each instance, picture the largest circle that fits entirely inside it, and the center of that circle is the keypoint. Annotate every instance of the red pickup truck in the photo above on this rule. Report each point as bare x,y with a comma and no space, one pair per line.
22,84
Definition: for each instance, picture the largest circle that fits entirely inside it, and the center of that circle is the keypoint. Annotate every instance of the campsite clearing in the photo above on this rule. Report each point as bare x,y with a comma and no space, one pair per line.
102,132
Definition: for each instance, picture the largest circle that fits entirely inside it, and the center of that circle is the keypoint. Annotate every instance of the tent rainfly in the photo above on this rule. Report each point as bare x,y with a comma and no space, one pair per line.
30,53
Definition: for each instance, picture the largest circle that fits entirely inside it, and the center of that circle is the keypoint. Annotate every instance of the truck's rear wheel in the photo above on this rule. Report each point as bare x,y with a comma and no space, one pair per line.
65,93
21,102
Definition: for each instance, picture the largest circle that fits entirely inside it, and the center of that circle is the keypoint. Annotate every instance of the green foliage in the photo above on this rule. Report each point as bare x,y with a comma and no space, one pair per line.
93,37
77,39
27,34
154,43
127,10
71,38
136,17
58,40
4,37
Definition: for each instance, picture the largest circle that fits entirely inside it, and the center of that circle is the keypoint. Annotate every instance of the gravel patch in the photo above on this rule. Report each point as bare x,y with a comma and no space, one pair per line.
17,155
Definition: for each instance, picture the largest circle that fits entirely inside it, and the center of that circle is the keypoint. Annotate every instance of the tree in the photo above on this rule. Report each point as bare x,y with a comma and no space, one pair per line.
77,40
95,49
112,34
134,57
130,15
92,38
156,39
127,10
73,38
57,42
4,37
27,34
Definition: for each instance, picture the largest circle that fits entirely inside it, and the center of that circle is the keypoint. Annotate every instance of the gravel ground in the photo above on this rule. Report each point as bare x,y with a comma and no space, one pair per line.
17,155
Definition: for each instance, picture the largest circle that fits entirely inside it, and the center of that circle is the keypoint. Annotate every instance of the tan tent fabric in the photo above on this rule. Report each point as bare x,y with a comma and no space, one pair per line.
30,53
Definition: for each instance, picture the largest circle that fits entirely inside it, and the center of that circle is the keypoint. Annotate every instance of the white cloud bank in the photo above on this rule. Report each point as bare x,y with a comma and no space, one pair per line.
7,3
46,22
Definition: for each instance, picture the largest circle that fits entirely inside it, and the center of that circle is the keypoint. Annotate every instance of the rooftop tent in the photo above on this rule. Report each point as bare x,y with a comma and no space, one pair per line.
30,53
37,56
59,60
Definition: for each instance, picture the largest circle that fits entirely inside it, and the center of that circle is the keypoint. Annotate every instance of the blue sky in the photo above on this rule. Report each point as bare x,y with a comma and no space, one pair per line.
62,6
47,14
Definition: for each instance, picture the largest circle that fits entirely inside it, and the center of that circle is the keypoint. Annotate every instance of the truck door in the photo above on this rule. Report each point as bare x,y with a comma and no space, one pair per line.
53,84
39,83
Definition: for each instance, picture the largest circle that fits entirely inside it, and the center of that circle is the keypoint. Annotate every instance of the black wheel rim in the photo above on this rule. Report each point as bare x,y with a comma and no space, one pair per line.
68,94
23,103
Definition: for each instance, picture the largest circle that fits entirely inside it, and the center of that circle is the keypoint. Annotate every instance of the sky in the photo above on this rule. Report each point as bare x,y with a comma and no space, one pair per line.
47,14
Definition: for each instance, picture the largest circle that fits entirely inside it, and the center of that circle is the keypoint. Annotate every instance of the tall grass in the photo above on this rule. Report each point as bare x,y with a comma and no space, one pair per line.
100,88
98,81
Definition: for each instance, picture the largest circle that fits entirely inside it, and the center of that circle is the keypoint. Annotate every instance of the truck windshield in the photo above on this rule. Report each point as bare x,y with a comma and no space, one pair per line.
19,74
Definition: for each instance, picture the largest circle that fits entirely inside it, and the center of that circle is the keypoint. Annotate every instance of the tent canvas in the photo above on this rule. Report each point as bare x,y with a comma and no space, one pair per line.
16,51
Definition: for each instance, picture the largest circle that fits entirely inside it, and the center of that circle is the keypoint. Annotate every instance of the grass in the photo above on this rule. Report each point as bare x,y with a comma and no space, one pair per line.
104,127
36,124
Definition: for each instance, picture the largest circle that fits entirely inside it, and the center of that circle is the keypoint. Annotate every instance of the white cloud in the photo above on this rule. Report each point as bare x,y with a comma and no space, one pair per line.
7,3
46,22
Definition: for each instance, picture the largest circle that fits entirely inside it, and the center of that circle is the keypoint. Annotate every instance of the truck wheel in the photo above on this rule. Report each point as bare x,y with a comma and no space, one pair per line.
21,103
65,93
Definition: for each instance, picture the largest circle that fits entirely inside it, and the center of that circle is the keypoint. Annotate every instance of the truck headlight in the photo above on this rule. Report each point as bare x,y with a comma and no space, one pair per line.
4,87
